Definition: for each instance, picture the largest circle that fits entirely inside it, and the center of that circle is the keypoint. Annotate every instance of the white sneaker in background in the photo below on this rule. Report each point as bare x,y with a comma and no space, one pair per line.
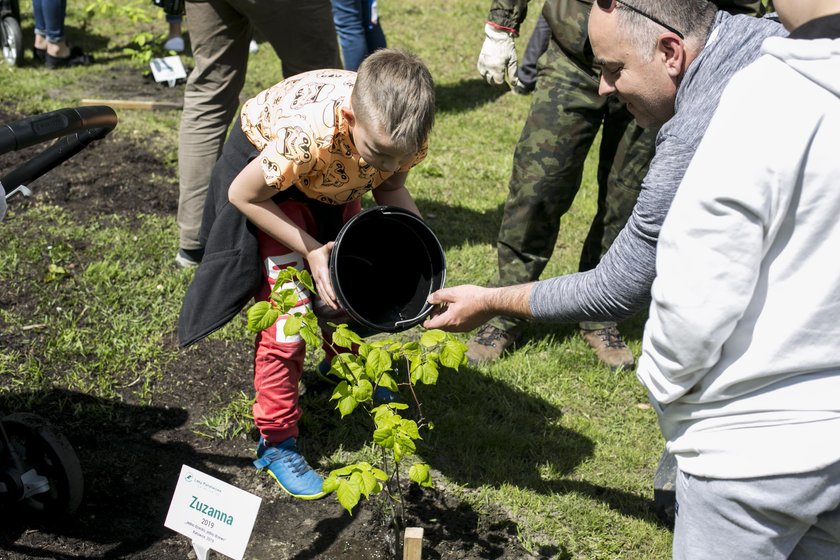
253,47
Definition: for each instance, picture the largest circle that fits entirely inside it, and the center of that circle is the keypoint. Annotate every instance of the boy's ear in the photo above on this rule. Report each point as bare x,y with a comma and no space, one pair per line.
349,116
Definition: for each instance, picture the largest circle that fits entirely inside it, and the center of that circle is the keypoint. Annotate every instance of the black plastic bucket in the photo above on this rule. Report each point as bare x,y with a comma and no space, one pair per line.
385,263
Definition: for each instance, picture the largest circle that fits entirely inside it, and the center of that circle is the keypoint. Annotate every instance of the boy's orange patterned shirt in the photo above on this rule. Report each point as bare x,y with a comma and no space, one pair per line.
304,139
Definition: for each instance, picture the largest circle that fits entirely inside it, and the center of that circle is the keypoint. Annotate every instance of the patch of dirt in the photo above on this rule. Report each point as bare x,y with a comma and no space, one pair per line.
131,454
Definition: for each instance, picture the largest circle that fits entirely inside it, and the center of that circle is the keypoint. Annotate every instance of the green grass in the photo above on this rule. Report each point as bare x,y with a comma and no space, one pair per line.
566,448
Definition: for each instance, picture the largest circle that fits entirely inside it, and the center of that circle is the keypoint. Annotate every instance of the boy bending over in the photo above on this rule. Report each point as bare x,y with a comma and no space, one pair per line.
297,162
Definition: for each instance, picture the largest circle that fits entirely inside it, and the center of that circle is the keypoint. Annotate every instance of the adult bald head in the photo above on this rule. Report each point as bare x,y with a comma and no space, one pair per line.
644,48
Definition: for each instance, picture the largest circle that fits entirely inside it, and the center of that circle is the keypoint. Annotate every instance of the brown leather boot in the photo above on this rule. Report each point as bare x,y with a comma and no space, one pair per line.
609,347
488,344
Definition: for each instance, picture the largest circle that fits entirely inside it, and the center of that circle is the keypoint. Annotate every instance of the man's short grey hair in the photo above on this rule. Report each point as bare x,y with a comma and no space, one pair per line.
394,92
692,18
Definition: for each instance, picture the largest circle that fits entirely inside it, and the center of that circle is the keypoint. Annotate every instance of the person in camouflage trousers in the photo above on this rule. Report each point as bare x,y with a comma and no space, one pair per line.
565,116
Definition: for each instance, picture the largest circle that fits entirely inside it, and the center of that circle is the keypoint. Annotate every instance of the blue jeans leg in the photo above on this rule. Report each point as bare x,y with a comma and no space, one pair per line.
49,18
357,35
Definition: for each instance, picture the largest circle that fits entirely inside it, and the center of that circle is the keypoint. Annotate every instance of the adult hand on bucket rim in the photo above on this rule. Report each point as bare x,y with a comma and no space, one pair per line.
319,266
467,307
461,308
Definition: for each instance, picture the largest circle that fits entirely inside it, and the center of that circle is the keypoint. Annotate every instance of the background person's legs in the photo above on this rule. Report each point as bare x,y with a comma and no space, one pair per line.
624,156
219,36
562,123
301,33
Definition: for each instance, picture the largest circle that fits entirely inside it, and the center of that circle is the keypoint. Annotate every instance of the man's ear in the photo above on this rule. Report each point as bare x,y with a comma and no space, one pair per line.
673,52
349,116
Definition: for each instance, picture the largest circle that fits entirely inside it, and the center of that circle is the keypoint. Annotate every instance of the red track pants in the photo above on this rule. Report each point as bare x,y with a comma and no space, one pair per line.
278,359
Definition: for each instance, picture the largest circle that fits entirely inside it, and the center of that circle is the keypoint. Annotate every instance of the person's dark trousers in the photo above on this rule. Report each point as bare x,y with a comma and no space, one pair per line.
537,45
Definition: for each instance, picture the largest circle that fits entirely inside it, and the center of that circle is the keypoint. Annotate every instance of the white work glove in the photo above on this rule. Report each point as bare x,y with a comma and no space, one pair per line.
497,61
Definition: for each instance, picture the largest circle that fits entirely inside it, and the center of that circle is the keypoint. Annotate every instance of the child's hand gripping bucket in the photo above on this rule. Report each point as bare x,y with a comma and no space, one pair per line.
384,264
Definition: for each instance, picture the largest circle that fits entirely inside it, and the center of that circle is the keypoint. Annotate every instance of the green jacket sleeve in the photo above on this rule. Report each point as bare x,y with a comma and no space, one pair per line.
508,14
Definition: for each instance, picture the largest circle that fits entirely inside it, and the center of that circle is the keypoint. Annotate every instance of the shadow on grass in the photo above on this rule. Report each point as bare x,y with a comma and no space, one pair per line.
129,473
455,225
467,95
488,433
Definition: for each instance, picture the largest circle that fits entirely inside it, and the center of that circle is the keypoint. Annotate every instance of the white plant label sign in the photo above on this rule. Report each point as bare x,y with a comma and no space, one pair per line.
212,513
168,69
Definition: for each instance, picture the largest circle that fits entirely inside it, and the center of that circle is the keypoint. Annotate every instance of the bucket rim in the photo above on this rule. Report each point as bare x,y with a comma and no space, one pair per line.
385,210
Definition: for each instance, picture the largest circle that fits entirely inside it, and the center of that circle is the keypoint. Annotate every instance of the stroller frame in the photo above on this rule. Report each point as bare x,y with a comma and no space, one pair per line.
38,467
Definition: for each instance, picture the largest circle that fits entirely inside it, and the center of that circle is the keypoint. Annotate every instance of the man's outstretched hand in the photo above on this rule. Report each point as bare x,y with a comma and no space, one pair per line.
461,308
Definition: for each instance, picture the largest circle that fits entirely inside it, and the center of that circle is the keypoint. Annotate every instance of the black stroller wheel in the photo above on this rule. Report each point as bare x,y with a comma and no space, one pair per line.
12,41
40,447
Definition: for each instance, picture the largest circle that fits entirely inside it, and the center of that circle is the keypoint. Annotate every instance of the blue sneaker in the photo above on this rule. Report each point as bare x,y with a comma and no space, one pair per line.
288,467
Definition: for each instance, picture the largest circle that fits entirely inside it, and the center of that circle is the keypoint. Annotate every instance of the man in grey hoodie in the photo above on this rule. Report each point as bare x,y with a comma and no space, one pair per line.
669,61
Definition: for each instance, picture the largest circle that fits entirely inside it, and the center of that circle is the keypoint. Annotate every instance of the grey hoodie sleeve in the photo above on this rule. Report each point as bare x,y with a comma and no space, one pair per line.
620,285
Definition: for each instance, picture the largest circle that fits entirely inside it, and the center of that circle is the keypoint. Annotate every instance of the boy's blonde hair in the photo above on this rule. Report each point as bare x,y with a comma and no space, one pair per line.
394,92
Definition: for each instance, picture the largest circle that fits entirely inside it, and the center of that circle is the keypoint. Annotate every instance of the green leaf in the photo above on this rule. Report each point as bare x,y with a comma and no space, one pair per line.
419,473
342,390
403,445
379,474
386,411
261,315
432,338
347,405
306,279
412,346
409,428
377,362
384,437
385,380
348,494
292,326
290,298
341,339
369,484
429,373
55,272
330,483
310,335
414,368
453,354
363,391
345,471
285,276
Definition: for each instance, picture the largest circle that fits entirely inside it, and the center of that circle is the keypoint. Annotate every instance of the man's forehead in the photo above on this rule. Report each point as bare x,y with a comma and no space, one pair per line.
604,35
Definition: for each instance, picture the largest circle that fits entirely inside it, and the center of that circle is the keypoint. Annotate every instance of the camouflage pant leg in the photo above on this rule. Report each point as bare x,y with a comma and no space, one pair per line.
565,115
562,123
625,153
